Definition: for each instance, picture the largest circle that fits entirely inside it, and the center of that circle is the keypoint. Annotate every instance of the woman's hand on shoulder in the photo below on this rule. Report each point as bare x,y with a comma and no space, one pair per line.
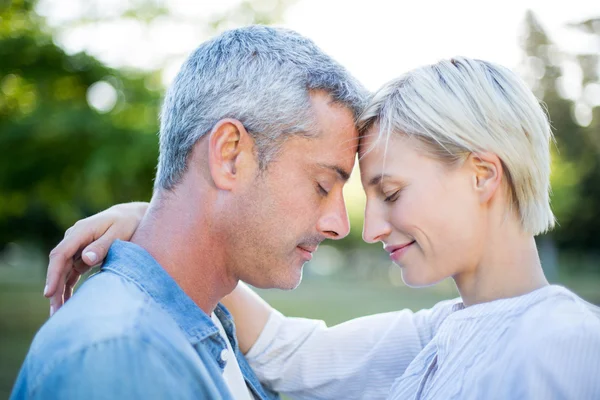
85,246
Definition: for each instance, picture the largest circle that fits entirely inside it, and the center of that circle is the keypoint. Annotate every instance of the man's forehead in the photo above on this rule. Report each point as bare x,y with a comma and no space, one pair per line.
338,149
343,132
333,120
333,141
312,152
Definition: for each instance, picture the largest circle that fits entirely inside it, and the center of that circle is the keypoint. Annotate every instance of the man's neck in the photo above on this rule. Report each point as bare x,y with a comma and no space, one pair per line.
189,254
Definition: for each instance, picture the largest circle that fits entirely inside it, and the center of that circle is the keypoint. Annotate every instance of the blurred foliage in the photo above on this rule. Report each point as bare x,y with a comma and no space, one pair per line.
576,159
148,11
62,159
78,136
70,146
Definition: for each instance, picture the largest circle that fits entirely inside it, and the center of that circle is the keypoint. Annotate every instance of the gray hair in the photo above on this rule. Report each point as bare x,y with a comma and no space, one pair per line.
462,106
261,76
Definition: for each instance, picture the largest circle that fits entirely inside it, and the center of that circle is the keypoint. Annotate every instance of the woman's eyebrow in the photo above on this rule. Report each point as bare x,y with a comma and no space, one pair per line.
376,180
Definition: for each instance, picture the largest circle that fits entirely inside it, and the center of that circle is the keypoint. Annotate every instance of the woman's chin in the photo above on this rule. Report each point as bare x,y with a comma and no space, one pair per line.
416,279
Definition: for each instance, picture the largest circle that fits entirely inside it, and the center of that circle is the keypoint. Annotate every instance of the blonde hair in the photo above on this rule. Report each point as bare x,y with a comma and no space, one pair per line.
462,106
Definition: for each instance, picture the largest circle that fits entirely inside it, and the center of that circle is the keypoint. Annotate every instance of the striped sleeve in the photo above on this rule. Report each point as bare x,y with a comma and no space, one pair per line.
358,359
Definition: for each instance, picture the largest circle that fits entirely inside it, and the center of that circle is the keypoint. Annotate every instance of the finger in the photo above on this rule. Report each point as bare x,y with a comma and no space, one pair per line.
57,269
96,252
56,302
70,283
64,273
67,293
68,231
81,267
65,251
57,298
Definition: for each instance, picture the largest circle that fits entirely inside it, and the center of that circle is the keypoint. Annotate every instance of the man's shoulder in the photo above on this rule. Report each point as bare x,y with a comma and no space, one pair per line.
125,365
106,309
105,305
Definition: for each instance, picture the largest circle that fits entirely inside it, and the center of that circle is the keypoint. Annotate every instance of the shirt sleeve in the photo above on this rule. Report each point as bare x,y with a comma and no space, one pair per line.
124,368
358,359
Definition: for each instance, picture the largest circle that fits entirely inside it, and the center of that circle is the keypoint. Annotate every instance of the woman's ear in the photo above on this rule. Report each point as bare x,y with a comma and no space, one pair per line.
487,174
230,153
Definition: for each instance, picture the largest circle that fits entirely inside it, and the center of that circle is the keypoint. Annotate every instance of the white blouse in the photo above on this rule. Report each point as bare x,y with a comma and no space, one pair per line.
542,345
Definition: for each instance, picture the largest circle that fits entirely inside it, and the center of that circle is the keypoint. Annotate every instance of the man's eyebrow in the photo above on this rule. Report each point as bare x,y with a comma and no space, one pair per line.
343,174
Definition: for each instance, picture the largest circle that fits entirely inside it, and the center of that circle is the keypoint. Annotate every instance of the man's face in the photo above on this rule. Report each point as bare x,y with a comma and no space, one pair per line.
296,203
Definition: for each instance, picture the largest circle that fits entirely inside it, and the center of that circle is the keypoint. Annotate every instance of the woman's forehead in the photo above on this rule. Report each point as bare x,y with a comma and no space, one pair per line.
369,140
395,153
375,145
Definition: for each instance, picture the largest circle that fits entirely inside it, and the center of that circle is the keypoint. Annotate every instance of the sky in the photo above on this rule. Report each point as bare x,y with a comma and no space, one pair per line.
376,40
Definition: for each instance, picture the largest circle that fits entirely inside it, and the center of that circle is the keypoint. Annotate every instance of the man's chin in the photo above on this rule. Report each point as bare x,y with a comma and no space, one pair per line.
291,284
289,280
284,276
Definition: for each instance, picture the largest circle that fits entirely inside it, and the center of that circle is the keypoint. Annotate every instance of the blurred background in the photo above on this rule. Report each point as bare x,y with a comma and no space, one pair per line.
81,83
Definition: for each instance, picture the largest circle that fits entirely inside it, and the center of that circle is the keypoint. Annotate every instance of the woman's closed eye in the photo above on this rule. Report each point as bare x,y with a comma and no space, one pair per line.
392,197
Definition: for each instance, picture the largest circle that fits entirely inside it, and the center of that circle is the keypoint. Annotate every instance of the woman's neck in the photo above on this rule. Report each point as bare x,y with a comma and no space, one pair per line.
510,267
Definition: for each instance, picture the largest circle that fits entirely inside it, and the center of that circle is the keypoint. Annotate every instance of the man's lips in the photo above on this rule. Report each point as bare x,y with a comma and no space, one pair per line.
307,251
397,251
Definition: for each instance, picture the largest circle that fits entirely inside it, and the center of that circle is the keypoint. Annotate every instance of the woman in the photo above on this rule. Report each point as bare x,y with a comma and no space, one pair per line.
455,162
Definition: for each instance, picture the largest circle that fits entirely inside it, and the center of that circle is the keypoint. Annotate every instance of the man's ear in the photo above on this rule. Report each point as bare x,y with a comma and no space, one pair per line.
230,153
487,174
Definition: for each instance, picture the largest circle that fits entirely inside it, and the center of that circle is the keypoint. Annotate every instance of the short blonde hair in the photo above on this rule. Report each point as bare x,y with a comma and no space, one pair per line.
462,106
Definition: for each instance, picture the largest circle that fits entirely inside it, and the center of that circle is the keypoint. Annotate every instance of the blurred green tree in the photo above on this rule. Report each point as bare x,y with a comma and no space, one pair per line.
576,159
75,135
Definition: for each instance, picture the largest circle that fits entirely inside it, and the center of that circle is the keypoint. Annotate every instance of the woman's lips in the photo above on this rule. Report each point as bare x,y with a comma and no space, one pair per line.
396,252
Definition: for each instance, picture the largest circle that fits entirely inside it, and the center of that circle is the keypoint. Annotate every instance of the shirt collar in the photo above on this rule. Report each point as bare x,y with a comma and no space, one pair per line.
137,265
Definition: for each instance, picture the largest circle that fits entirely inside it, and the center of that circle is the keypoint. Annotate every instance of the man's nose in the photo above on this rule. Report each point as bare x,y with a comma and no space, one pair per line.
334,223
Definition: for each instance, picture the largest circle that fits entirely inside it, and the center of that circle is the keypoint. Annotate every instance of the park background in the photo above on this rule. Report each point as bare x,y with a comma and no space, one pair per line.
81,83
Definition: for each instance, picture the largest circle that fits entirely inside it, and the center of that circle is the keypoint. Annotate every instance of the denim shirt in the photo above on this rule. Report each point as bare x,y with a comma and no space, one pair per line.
131,332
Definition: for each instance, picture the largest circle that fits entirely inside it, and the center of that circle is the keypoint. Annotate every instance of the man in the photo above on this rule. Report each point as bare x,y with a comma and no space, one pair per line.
257,140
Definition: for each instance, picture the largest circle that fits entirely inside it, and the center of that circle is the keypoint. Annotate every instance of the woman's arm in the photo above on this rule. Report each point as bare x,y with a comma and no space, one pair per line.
358,359
250,314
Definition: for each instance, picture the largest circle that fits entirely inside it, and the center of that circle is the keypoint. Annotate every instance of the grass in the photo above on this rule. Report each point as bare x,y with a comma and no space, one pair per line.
23,309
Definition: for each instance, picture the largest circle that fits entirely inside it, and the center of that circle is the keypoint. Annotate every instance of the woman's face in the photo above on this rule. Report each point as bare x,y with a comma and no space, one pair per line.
427,214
